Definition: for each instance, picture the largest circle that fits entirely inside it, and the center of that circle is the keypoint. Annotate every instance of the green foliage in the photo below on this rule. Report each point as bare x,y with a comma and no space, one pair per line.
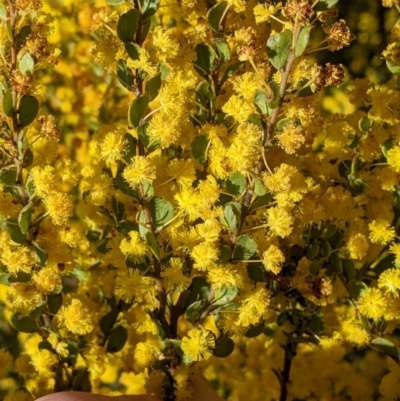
28,110
278,48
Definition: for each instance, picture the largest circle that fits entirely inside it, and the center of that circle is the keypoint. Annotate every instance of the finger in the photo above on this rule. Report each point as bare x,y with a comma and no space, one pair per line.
79,396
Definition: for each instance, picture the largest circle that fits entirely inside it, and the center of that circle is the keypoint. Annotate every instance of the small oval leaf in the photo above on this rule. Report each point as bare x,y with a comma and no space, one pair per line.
8,108
28,109
199,148
127,25
215,16
137,109
8,176
278,48
26,64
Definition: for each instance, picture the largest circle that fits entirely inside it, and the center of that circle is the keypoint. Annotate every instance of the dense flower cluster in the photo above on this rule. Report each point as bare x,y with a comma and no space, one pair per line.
175,191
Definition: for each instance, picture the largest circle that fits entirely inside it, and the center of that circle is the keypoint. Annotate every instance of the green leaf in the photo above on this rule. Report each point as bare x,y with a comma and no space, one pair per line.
278,48
336,262
30,186
137,109
20,277
256,272
153,244
224,295
232,215
387,347
198,289
148,7
133,50
203,93
224,347
148,188
3,12
215,16
329,231
261,101
223,50
323,5
196,309
255,331
81,381
127,25
115,2
8,108
393,68
41,253
130,147
145,138
117,339
325,249
231,70
38,311
261,201
108,320
124,227
199,148
124,74
281,124
225,253
54,302
302,40
313,250
23,34
93,235
8,176
153,86
25,218
11,225
316,323
124,187
164,70
259,189
102,246
24,324
356,288
45,345
315,267
28,109
28,158
161,211
118,210
26,64
365,124
204,63
349,270
236,184
245,248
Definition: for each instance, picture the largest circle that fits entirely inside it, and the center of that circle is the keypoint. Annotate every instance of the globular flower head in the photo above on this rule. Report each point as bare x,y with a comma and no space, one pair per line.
339,35
372,303
198,344
273,259
381,232
132,285
300,10
113,147
389,282
140,169
173,277
77,317
134,247
279,221
357,246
